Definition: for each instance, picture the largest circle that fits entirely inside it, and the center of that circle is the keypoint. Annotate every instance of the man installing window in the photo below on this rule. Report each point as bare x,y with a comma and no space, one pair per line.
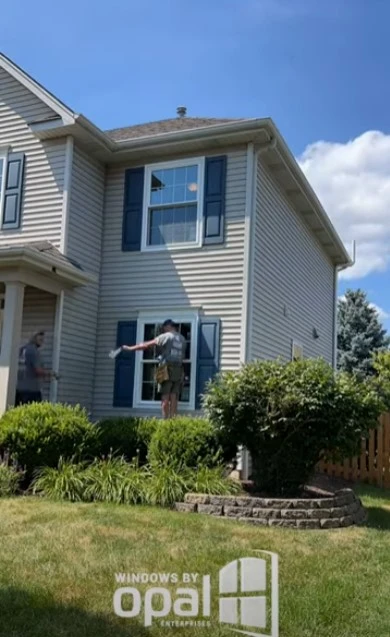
172,347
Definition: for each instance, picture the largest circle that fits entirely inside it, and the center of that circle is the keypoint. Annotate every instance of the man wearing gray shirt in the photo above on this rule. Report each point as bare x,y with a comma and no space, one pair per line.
31,374
172,348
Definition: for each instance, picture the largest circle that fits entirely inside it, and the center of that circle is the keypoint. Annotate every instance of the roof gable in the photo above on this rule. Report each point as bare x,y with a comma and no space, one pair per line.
59,108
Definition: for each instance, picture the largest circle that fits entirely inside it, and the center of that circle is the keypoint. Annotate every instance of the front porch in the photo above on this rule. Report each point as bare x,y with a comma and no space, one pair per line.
33,281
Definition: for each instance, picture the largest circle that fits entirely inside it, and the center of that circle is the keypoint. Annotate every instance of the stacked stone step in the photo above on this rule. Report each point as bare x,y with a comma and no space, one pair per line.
341,510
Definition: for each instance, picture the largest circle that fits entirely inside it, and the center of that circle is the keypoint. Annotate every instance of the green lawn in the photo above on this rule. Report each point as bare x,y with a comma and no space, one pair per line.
57,565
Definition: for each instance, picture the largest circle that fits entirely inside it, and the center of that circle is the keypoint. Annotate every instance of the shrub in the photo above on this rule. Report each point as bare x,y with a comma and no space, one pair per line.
110,479
184,442
39,434
127,436
212,480
381,380
66,482
289,415
166,485
10,478
114,480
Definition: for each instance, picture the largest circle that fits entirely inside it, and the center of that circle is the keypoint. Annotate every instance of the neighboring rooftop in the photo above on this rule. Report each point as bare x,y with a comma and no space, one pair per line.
164,126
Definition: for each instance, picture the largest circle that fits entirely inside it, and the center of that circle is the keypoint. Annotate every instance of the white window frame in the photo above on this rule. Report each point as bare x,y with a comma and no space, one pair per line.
180,163
4,157
298,345
182,317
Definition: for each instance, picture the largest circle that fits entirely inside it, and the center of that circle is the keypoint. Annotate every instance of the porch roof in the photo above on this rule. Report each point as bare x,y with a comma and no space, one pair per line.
44,260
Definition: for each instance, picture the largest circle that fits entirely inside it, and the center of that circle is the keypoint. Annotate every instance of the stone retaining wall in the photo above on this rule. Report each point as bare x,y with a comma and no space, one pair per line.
340,510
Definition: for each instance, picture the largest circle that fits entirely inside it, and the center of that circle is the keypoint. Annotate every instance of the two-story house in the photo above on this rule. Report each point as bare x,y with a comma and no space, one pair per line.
104,234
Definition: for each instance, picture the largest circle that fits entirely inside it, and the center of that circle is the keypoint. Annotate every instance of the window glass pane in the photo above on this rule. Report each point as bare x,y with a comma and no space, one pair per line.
179,194
148,372
180,176
149,331
172,225
174,185
1,173
148,391
185,393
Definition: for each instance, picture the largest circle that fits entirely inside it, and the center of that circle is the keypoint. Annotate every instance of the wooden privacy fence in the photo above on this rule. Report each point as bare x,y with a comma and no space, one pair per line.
373,464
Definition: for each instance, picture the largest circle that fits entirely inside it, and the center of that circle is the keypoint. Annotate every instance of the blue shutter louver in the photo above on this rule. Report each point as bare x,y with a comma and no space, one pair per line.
13,185
214,199
125,365
132,209
208,355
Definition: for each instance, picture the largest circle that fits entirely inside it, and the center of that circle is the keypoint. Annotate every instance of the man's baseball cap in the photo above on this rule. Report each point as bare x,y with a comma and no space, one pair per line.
169,323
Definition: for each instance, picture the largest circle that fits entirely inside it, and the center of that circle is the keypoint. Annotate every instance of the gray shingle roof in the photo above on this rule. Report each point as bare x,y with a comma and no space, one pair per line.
164,126
45,247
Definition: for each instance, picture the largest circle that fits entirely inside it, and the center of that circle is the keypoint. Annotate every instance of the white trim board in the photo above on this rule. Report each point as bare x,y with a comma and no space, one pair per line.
248,253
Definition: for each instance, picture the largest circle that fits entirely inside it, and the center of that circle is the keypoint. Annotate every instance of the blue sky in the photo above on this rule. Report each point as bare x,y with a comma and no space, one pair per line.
319,68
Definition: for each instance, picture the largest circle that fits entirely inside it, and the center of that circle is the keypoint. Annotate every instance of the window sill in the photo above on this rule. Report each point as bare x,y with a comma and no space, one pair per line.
173,248
145,406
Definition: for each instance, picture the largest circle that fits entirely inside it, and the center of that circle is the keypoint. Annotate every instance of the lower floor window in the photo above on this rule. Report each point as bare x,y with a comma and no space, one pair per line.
148,361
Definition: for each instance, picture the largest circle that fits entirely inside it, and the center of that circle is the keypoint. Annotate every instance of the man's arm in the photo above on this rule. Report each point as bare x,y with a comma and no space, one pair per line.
140,346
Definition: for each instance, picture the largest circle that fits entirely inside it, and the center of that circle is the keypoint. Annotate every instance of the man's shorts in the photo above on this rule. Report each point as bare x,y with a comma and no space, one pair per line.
175,383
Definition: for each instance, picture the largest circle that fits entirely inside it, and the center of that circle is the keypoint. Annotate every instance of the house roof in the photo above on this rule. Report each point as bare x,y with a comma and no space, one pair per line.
187,134
43,257
164,126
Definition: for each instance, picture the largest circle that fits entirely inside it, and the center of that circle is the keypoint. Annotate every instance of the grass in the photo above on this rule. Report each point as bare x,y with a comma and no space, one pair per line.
57,565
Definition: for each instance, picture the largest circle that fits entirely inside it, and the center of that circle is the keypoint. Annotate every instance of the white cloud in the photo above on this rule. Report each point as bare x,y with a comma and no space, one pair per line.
352,180
383,315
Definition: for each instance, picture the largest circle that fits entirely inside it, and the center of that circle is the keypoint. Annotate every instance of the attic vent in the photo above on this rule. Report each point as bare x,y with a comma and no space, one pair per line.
181,111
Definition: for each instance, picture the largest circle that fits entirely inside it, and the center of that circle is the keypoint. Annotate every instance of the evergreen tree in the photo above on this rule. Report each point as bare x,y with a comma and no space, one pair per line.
360,334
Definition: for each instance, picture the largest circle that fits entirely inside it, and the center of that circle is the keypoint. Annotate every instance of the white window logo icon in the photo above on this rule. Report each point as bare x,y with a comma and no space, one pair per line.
243,594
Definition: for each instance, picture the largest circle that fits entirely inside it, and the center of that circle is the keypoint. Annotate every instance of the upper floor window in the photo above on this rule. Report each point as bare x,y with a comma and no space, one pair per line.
172,214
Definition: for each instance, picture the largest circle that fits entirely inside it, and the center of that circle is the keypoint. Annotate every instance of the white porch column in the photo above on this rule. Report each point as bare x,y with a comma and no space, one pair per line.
10,343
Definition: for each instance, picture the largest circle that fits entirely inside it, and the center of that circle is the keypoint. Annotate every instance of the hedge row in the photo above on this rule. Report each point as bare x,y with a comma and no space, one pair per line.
39,435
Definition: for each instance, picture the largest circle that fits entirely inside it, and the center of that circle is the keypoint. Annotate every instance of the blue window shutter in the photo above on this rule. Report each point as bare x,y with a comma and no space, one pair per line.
208,355
214,199
132,209
12,205
125,365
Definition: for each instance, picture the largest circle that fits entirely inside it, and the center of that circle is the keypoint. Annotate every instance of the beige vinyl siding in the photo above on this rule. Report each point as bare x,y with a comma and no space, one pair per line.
44,165
293,284
208,278
38,314
79,320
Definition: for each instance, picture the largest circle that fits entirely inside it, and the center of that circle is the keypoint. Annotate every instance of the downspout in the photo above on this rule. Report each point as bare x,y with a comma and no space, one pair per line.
253,151
337,269
63,247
